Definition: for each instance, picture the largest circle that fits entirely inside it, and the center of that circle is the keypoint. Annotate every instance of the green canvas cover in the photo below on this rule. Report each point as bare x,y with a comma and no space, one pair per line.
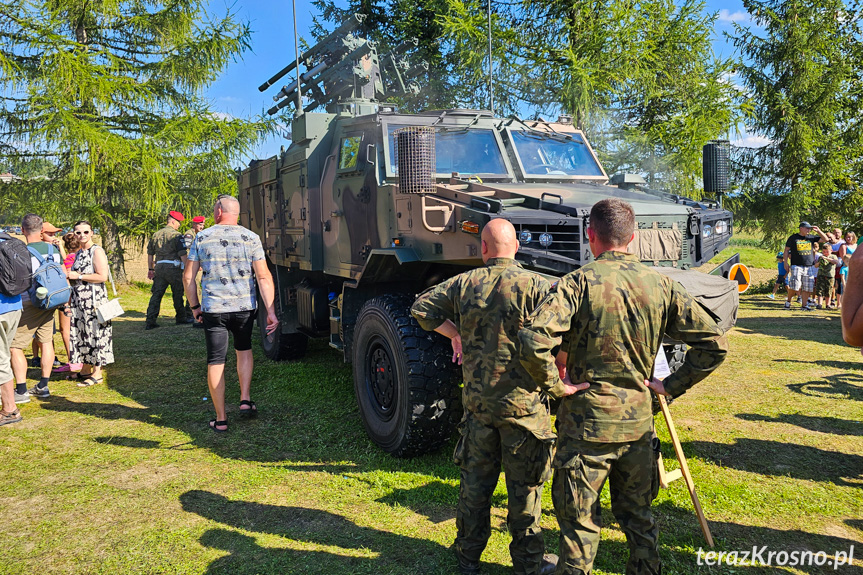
717,294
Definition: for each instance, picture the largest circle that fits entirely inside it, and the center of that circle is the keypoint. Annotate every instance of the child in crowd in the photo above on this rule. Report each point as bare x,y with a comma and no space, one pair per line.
825,277
782,278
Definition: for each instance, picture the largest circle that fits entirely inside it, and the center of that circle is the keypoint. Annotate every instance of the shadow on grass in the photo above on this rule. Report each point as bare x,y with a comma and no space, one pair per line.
839,386
783,460
803,327
379,551
849,365
832,425
679,527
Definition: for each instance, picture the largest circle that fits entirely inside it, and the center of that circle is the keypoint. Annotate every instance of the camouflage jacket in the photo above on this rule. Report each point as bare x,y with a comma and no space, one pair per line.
613,314
167,244
488,306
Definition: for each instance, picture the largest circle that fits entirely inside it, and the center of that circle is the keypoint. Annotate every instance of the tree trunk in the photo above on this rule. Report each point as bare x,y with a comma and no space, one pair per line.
114,249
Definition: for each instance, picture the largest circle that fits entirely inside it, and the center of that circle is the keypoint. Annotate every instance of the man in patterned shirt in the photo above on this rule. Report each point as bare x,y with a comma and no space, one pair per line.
228,255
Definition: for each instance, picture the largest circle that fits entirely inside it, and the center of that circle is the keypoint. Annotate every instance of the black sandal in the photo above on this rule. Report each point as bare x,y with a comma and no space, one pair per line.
251,412
89,381
215,425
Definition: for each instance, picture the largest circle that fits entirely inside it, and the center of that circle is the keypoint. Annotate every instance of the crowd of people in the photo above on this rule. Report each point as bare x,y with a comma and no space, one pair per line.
26,324
814,274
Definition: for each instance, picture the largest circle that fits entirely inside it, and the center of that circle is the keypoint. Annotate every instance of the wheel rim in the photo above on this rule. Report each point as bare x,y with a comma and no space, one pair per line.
381,381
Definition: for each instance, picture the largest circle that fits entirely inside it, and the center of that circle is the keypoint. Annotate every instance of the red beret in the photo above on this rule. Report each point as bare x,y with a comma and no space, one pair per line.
199,219
177,216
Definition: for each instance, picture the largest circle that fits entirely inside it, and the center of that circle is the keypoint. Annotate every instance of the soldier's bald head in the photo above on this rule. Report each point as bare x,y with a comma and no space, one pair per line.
498,240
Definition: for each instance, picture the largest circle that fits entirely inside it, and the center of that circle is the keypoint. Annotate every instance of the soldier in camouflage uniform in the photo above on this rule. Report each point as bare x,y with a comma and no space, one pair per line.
166,256
613,314
506,420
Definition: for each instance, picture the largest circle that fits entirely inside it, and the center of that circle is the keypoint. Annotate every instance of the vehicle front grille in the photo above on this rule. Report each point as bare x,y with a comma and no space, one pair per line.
566,239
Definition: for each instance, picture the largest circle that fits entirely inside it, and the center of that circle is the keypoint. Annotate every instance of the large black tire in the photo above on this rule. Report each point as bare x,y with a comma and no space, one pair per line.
280,346
404,378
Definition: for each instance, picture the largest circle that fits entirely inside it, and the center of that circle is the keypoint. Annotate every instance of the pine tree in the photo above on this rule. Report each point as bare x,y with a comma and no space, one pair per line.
803,72
111,91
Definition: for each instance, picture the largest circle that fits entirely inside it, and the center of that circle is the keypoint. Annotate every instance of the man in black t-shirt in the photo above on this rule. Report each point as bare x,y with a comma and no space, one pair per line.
798,258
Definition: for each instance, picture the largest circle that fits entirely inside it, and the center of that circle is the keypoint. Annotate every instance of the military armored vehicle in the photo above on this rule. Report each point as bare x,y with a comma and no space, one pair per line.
368,207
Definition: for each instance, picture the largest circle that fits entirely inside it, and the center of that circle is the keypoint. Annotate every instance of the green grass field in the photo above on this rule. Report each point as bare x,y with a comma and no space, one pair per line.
125,477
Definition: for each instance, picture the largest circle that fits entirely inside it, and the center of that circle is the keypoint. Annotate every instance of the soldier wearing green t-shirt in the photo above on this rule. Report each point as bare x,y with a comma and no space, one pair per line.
166,257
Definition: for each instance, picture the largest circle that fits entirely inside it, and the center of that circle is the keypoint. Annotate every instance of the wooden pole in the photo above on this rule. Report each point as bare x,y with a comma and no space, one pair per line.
684,469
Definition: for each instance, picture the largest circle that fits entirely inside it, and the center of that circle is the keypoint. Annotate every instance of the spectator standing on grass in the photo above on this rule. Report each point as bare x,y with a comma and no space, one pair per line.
166,257
49,232
35,323
230,258
799,258
10,314
782,278
610,317
852,304
189,238
71,244
850,248
825,278
506,415
92,342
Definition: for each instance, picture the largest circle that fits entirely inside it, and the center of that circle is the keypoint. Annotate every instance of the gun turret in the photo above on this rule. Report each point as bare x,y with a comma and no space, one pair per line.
345,66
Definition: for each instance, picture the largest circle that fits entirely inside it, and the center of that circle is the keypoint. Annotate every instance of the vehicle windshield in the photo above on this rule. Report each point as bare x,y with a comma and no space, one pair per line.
468,152
543,155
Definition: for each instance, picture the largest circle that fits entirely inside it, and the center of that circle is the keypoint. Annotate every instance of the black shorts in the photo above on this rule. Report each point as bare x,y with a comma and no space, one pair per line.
216,328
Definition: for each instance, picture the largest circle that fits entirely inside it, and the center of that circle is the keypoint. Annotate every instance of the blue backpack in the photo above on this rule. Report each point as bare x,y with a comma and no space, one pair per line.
52,278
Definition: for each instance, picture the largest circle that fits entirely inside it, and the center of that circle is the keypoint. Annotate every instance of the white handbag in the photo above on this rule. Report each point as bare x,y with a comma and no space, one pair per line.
111,308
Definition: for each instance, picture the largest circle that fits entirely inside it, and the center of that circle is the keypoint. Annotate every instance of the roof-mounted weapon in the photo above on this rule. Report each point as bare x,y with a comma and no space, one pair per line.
346,66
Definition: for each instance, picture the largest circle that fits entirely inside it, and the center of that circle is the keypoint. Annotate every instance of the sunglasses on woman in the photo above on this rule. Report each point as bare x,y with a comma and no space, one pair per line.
84,233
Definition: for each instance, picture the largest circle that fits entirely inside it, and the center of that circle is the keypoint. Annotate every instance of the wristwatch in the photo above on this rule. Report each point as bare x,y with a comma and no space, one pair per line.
194,307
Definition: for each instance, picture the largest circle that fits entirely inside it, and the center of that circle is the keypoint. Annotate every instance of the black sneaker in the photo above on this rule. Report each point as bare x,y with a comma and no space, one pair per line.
36,362
548,565
37,391
151,326
184,321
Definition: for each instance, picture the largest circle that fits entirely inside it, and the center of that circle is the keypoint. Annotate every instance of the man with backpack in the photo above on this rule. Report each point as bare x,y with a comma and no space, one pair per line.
49,289
14,279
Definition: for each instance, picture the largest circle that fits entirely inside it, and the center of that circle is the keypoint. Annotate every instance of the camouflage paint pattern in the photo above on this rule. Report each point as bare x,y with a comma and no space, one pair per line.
614,313
506,421
633,476
523,447
489,305
611,316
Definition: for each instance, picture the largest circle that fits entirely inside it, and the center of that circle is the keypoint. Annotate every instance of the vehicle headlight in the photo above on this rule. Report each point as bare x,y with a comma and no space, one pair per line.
706,231
721,227
545,239
525,237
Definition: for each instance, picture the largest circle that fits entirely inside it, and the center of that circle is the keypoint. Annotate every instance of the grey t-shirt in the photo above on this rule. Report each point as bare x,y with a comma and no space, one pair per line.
225,254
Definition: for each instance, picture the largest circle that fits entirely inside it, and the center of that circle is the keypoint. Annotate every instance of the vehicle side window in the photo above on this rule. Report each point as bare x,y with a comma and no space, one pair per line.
349,152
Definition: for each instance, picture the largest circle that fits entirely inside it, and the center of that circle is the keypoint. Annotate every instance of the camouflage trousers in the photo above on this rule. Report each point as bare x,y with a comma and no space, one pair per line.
164,276
633,476
523,447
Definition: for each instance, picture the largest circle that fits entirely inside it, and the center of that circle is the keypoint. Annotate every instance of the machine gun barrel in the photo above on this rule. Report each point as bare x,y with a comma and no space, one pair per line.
349,25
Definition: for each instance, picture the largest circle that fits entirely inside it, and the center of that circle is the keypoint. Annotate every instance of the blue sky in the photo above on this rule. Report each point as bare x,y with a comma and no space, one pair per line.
236,92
